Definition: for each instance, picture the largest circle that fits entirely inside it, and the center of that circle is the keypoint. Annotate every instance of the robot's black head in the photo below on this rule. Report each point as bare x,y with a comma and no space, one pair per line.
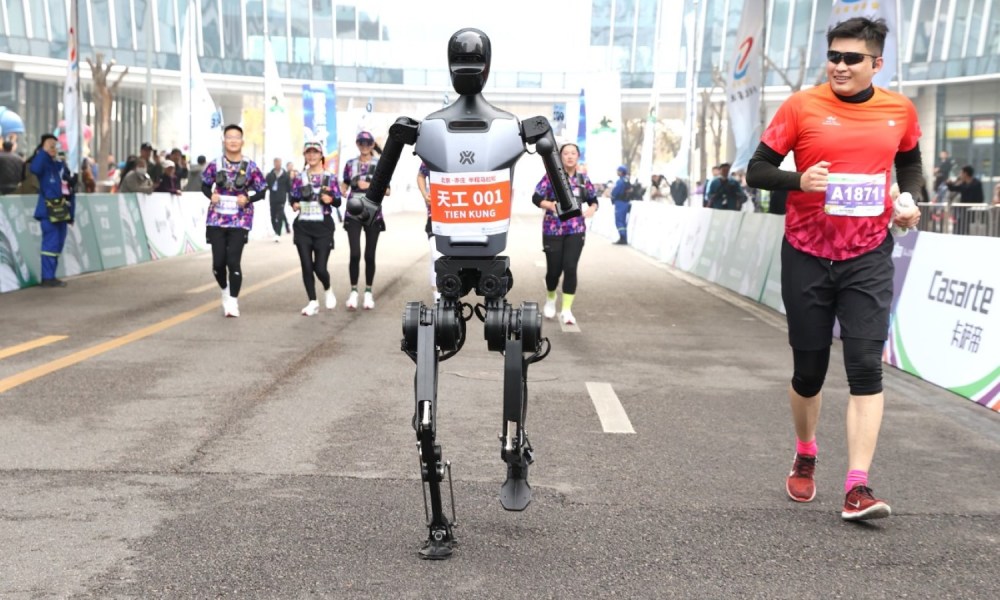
469,61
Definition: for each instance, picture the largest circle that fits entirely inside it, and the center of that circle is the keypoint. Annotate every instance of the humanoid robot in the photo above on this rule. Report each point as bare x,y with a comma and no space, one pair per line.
470,148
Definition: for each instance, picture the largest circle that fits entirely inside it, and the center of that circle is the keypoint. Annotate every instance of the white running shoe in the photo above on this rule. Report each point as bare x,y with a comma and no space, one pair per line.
369,301
225,301
277,240
233,307
352,300
331,300
311,309
568,318
550,309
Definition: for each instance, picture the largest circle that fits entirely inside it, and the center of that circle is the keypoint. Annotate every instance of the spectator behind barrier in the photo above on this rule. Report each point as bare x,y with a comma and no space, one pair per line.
11,169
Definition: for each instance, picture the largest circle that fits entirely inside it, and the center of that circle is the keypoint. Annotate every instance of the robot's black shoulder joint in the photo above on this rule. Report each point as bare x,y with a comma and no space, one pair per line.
404,131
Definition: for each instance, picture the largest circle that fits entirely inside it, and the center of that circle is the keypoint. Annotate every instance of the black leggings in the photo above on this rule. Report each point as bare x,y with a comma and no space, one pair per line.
278,216
314,254
227,251
562,254
862,361
372,231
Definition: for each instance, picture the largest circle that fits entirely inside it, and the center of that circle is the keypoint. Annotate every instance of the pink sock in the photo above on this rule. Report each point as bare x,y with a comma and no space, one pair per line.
855,477
805,448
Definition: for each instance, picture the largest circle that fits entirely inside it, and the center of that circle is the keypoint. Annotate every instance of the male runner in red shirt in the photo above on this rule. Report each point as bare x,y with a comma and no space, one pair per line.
836,256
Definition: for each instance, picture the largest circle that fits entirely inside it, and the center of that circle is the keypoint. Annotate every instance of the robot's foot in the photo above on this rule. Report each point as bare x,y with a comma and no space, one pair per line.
438,545
515,493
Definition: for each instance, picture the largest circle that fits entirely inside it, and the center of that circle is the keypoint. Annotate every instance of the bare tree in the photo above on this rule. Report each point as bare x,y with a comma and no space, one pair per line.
711,119
666,143
632,136
104,97
794,85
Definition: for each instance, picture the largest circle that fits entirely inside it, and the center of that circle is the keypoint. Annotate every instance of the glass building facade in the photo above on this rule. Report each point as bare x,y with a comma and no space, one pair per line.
949,49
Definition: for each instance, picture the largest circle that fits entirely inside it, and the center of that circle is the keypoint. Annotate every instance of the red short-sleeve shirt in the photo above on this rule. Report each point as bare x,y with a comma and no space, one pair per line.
855,138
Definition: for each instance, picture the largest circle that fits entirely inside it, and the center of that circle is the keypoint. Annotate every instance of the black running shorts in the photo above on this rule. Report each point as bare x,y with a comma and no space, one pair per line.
857,291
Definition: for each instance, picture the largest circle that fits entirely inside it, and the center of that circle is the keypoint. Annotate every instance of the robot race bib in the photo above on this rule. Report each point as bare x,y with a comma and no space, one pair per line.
227,205
310,211
470,204
853,195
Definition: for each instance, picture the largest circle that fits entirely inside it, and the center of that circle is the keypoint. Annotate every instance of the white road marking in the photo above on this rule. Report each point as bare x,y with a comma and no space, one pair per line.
574,328
609,409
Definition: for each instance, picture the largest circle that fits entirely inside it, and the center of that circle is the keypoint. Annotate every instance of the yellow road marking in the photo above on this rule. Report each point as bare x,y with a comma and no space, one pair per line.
82,355
42,341
204,288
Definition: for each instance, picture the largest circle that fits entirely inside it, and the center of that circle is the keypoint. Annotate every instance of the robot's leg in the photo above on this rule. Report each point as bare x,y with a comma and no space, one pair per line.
515,493
419,340
523,331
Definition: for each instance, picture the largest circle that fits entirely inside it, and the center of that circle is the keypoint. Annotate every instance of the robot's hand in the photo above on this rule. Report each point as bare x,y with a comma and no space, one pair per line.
361,208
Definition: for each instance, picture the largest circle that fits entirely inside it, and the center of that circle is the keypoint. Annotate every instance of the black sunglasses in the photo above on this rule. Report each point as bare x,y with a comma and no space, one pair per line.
849,58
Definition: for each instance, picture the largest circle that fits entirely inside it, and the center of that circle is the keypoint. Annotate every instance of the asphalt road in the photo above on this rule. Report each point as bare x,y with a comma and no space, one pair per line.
159,450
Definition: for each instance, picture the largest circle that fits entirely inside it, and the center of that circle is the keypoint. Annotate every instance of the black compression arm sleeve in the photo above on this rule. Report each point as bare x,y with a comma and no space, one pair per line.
910,173
763,172
207,190
537,200
258,195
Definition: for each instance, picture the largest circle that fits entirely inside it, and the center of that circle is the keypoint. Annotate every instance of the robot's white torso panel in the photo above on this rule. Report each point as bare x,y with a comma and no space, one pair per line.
471,165
464,151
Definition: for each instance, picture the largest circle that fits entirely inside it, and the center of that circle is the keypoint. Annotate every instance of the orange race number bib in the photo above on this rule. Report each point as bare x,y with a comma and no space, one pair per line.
470,204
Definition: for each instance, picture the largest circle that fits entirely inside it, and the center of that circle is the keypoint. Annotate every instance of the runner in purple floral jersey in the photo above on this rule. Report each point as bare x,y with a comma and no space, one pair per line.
232,183
563,241
314,195
357,177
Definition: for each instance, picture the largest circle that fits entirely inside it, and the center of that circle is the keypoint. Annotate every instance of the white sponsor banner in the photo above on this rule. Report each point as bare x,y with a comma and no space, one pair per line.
75,258
134,241
946,328
693,240
722,234
14,272
646,220
194,214
673,232
163,222
745,264
743,87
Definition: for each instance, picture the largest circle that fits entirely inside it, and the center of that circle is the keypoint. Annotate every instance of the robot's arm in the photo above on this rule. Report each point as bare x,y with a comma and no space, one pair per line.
537,131
365,207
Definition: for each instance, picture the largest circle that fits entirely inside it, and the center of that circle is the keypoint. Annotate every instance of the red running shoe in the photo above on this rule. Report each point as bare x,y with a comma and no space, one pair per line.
861,505
800,484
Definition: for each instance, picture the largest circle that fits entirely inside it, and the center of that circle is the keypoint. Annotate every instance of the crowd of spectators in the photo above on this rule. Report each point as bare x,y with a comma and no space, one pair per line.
145,172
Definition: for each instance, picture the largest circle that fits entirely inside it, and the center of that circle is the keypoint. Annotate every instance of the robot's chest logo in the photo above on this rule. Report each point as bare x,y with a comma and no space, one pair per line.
467,157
